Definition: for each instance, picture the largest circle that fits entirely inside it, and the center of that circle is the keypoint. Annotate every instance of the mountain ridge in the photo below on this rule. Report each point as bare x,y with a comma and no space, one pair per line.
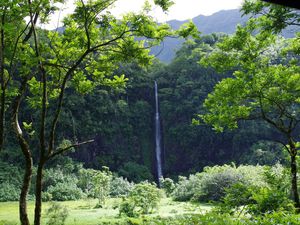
224,21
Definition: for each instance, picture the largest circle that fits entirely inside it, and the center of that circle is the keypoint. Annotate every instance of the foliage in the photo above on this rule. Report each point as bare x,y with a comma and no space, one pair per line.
271,197
4,222
135,172
39,67
101,183
120,186
142,199
9,192
55,176
203,219
10,173
271,17
263,87
237,198
186,187
65,191
10,182
164,4
127,208
56,214
168,185
212,183
264,153
145,196
46,197
85,181
269,200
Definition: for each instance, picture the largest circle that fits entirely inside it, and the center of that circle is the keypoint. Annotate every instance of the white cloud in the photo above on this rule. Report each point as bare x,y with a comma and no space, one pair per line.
181,10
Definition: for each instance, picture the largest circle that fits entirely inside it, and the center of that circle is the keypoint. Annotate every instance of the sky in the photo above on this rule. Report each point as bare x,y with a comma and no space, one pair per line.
181,10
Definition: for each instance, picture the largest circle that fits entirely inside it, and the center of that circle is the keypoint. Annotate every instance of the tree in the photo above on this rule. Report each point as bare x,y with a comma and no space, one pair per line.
39,66
272,17
263,86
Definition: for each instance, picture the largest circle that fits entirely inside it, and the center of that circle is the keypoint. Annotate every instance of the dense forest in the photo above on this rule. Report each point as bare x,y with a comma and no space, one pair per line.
77,116
122,122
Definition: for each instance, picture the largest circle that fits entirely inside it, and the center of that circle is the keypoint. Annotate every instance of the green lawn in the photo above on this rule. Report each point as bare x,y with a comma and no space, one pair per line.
82,212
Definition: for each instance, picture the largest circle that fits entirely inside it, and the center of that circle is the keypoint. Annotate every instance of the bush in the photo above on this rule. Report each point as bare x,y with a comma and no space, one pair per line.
55,176
168,185
215,180
85,182
145,196
277,218
9,192
268,200
65,191
120,187
227,219
127,208
56,214
46,196
101,183
142,199
237,197
210,185
205,219
186,187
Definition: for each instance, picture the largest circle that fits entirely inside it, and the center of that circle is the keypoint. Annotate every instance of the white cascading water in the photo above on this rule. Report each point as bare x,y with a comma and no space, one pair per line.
157,136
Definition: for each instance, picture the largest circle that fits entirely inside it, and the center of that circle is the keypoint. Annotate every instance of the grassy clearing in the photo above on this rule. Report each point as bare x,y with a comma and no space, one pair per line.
82,212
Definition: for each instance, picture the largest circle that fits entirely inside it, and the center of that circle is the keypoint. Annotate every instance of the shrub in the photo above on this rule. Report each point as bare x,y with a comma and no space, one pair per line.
101,183
127,208
145,196
56,214
186,187
237,197
85,181
120,187
277,218
203,219
65,191
214,182
227,219
268,200
46,196
96,184
142,199
54,176
9,192
168,185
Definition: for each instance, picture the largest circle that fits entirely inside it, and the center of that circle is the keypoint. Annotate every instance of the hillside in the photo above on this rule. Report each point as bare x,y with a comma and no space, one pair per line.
223,21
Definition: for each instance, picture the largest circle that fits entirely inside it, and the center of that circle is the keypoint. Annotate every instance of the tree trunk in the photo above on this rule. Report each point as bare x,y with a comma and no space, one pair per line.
26,182
3,94
293,154
38,193
28,159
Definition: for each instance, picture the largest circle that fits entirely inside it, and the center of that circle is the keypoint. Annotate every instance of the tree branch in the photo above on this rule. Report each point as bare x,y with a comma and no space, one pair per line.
62,150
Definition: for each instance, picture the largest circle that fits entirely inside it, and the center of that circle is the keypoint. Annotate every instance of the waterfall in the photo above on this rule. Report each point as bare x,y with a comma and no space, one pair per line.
157,136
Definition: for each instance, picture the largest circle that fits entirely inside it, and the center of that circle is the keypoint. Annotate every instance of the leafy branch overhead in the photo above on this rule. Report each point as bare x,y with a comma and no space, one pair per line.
164,4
